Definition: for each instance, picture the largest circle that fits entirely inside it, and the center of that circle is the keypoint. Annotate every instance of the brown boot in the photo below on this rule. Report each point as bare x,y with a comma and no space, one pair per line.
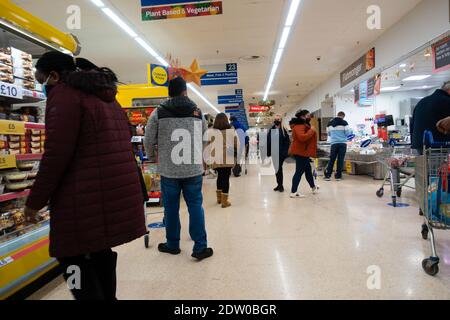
225,203
219,196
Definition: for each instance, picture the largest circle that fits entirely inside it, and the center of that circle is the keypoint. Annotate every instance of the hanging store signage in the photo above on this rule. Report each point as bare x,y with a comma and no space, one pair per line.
231,97
173,9
159,76
254,109
10,91
232,109
358,68
374,86
241,115
219,75
441,55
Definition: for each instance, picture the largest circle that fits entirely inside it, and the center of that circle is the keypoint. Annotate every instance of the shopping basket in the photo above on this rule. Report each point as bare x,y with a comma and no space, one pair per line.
432,184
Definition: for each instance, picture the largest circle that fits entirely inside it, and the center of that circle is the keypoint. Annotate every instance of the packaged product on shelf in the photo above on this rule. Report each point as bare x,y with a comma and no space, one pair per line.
14,145
20,58
17,186
35,144
14,138
24,83
5,58
35,138
36,150
14,151
15,176
6,77
25,73
32,174
6,69
26,166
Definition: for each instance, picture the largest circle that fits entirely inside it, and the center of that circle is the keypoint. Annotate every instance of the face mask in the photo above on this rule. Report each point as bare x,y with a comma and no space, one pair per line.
277,122
46,88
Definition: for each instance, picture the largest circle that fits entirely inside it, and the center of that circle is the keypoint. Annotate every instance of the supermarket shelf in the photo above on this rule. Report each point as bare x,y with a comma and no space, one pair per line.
27,157
14,195
35,126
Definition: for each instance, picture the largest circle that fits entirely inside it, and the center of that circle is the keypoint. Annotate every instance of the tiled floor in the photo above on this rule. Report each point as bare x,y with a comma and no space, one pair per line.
268,246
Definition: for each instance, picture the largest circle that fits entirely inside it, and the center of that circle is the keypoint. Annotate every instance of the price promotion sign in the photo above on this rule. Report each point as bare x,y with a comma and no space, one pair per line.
10,91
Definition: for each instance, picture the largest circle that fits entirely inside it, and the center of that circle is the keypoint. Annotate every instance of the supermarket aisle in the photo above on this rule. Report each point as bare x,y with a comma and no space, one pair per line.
269,246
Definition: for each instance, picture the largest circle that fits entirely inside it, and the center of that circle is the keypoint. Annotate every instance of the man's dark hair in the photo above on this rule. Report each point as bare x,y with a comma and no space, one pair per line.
177,86
302,113
341,114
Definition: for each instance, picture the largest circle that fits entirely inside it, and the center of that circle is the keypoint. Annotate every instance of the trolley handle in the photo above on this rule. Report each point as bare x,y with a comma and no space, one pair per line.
428,141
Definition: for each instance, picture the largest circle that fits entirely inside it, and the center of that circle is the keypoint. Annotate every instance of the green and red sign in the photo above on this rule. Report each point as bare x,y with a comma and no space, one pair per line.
173,9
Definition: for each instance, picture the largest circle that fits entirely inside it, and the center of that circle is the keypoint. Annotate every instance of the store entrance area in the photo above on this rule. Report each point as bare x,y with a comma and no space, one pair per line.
269,246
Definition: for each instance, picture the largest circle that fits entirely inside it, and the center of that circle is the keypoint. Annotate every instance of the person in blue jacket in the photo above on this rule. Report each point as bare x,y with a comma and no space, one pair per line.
338,130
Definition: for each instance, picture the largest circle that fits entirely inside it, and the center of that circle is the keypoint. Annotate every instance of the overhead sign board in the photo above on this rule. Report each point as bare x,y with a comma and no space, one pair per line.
159,76
441,55
358,68
231,97
219,75
173,9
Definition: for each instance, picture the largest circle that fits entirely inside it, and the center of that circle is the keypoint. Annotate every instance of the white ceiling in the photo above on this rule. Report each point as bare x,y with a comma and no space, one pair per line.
334,30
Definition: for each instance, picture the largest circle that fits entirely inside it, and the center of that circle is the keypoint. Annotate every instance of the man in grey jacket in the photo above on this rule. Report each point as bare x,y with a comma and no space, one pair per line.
175,133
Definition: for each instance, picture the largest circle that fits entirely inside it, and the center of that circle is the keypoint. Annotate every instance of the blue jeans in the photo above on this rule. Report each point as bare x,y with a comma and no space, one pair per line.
192,193
338,152
303,166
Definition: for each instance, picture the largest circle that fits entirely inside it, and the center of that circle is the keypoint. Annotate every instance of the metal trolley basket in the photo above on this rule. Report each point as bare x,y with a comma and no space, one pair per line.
397,160
152,181
432,189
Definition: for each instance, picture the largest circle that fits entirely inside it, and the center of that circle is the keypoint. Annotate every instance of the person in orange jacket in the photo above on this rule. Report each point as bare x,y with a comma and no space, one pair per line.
303,147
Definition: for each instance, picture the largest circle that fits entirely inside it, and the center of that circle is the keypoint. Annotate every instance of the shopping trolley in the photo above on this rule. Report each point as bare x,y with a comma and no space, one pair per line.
152,181
398,160
432,188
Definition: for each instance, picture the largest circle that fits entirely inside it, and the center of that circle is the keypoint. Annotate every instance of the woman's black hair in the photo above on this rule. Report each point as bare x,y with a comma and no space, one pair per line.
56,61
302,113
79,73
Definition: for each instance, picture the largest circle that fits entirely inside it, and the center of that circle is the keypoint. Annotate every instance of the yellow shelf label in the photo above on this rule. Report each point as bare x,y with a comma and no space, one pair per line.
12,127
8,161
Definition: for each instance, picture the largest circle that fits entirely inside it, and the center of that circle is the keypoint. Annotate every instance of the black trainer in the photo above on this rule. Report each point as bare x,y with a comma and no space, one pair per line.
206,253
165,249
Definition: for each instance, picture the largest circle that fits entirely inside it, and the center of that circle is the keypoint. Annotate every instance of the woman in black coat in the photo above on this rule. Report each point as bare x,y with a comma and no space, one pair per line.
279,133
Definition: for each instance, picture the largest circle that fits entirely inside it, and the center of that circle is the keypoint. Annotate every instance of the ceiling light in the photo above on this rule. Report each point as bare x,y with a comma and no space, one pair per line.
284,37
98,3
162,61
292,12
403,65
146,46
293,9
390,88
190,86
278,56
417,78
119,22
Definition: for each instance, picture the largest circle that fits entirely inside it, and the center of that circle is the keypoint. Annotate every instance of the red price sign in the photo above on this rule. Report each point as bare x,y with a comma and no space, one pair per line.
255,109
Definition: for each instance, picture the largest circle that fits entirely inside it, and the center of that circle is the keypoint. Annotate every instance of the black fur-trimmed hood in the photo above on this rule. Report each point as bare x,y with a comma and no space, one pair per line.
96,82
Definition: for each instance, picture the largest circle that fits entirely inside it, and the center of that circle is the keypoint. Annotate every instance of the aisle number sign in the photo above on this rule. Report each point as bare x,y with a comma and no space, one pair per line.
8,161
219,75
10,91
159,76
173,9
12,127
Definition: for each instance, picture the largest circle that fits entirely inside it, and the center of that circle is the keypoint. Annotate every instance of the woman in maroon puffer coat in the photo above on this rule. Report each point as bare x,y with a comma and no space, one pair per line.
88,173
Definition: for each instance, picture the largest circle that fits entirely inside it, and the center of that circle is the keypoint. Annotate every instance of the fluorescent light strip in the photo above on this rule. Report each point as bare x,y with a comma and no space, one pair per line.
390,88
190,86
292,11
145,45
282,44
98,3
417,78
284,37
114,17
